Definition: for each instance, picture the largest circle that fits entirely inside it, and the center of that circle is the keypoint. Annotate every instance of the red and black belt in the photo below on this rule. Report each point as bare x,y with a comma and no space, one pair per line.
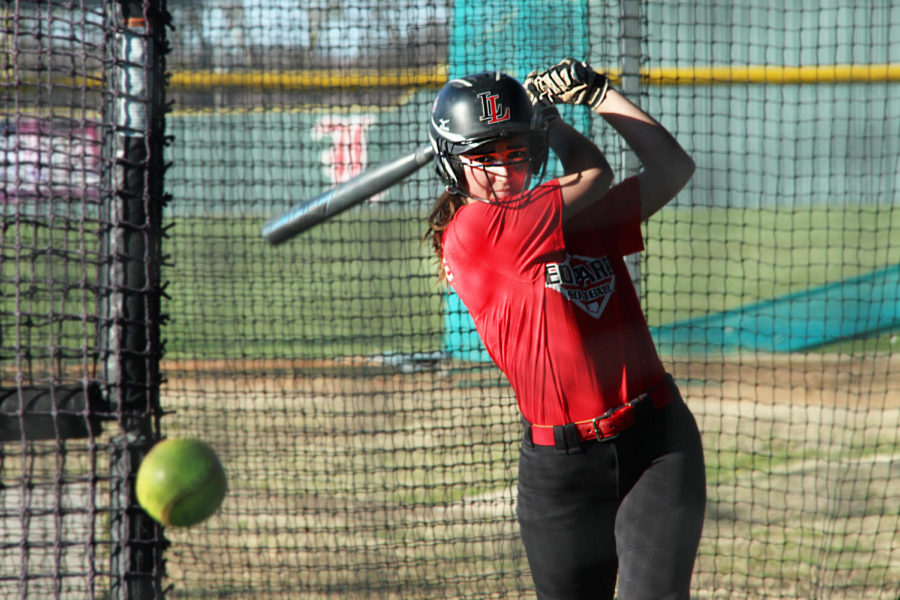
611,423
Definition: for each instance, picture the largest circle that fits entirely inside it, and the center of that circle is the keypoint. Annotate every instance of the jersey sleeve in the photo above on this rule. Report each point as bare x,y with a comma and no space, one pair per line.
613,221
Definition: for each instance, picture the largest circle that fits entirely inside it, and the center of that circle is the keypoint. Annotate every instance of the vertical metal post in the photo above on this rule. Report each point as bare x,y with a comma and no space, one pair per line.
131,301
630,36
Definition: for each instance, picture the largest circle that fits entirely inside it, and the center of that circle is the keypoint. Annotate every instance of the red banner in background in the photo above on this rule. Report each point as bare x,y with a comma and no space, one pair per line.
348,154
49,158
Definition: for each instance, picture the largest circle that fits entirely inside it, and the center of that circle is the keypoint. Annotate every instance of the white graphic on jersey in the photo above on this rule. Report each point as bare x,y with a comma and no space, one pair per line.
447,272
585,281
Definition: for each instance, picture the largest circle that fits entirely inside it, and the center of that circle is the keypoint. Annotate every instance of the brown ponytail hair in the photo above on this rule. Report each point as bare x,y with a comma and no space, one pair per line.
438,221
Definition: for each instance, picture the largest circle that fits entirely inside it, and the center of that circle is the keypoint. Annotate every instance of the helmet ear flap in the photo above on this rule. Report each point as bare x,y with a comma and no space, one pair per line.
449,172
459,185
447,169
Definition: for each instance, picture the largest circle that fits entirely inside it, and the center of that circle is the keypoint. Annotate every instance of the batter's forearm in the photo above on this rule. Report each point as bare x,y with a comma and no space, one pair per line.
649,140
666,166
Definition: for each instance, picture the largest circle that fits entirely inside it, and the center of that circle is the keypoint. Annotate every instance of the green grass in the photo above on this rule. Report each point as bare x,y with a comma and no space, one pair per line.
365,284
348,287
701,260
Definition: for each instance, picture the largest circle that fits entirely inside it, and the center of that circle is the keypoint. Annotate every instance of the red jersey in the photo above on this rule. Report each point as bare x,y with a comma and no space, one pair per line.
554,306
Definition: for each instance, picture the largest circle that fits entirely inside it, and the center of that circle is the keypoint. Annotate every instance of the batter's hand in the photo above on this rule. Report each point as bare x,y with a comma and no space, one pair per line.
573,82
544,111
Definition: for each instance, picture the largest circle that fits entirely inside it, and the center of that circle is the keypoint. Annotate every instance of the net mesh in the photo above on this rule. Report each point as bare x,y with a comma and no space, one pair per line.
51,134
79,297
370,448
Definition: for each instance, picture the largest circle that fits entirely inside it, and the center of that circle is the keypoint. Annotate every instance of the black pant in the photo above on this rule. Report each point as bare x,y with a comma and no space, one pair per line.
633,506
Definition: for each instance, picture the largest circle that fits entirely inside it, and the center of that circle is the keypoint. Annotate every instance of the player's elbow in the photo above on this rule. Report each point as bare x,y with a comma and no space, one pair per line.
675,173
661,183
679,169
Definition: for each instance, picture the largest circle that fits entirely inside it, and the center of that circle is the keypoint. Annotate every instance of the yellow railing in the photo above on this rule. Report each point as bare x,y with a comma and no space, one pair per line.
317,79
771,74
312,79
697,75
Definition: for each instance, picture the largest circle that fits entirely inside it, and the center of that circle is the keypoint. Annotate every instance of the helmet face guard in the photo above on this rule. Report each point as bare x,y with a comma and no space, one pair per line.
476,110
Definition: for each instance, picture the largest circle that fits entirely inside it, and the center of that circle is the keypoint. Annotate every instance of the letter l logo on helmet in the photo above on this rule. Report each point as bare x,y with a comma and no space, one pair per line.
490,108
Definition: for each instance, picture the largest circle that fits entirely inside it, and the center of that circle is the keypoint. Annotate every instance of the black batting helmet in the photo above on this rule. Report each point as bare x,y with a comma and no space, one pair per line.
475,110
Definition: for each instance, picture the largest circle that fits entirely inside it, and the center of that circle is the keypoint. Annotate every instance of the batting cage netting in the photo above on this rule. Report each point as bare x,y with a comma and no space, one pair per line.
370,444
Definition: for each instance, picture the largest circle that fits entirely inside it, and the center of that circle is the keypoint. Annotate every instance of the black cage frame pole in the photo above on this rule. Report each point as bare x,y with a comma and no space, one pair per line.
131,315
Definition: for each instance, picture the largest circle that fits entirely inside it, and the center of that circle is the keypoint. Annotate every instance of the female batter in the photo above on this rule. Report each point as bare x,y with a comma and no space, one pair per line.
611,474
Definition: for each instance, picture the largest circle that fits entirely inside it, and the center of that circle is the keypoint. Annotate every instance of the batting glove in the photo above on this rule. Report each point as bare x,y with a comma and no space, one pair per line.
573,82
545,114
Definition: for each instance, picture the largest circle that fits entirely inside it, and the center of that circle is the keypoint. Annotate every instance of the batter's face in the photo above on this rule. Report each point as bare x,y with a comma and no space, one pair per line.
498,170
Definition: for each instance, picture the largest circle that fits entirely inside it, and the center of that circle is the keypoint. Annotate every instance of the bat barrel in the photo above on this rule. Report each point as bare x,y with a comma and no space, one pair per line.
349,193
